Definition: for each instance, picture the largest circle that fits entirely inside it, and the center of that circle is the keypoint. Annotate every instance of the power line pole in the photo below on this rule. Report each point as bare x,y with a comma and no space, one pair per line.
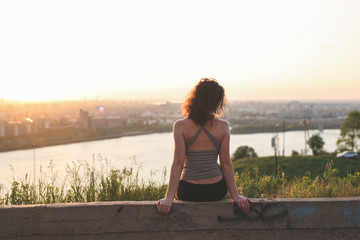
275,145
305,132
283,138
34,144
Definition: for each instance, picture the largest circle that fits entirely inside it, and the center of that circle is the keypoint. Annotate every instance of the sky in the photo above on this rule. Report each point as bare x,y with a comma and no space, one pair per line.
158,50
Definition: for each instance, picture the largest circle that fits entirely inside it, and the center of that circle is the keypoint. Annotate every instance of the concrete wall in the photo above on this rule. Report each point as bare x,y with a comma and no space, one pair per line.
321,218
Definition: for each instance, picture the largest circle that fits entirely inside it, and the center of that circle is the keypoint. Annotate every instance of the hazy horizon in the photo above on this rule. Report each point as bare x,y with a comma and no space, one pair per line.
163,101
158,50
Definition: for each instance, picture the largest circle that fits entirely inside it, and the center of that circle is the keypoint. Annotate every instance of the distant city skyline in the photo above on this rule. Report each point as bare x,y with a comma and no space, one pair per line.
158,50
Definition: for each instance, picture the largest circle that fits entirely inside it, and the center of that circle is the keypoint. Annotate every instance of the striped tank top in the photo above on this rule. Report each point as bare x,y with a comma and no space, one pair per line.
201,164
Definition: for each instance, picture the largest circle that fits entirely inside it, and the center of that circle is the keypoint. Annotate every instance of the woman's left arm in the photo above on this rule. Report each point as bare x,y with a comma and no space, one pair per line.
228,172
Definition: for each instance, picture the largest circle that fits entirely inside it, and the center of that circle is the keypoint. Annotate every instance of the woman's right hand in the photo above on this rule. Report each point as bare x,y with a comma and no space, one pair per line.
164,206
243,203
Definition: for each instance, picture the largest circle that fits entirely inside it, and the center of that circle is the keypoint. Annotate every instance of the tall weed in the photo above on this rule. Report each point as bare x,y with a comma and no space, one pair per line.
326,185
99,181
85,182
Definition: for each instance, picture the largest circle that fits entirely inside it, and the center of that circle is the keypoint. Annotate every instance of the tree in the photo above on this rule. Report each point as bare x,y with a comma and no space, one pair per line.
349,132
294,153
243,151
316,143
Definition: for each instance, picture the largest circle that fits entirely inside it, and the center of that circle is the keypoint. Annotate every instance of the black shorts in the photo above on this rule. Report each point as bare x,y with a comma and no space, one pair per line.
201,192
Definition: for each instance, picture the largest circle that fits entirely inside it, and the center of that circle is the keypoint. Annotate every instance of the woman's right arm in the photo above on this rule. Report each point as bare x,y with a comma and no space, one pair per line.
164,205
228,172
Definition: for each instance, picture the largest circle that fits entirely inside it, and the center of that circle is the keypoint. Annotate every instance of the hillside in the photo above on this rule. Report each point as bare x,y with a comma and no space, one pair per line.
297,166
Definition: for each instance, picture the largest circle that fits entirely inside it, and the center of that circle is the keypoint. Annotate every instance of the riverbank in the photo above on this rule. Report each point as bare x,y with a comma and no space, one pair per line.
299,166
60,136
246,127
53,137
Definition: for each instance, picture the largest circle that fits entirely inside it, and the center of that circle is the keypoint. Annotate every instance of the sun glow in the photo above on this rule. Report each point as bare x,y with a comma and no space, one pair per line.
256,49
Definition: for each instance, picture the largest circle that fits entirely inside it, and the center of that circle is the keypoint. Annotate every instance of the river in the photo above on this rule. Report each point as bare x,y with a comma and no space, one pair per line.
147,152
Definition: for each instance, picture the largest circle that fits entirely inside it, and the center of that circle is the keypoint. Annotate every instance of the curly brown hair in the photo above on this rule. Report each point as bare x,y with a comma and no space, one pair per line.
206,100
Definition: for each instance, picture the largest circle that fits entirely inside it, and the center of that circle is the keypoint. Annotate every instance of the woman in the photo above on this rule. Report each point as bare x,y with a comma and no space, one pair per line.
199,139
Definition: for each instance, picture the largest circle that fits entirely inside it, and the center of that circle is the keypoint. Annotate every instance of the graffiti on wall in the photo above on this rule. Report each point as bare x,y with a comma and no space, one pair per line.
302,211
350,215
258,211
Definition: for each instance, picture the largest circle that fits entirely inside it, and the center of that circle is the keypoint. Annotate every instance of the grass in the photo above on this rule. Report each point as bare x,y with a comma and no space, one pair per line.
299,177
329,184
85,182
297,166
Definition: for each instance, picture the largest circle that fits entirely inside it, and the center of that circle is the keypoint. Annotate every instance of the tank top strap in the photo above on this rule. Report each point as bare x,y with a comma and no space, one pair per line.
193,138
212,138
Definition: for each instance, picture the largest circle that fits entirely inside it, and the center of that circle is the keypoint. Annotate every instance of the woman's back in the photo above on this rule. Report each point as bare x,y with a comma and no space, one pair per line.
215,127
202,147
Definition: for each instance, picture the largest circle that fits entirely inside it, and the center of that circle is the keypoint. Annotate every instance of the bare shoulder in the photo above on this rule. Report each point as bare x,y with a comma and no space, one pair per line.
221,124
180,124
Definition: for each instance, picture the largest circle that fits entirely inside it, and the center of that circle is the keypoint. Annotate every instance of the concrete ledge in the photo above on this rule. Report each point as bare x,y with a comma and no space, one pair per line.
324,218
